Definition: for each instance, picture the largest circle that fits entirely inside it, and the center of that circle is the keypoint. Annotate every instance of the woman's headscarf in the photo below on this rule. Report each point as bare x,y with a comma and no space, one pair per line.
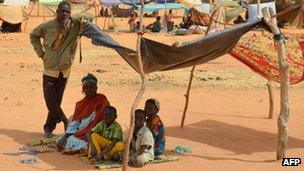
90,78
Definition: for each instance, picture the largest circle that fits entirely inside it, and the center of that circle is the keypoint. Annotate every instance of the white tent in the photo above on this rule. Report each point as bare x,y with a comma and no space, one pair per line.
253,12
16,2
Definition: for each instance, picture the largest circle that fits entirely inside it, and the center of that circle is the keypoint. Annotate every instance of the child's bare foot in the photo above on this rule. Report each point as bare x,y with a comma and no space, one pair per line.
83,152
118,156
58,147
93,161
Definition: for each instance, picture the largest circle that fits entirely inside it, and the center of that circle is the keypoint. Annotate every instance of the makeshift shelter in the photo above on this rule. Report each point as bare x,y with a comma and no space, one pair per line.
78,6
121,12
160,57
252,9
203,8
199,18
191,3
50,7
293,14
155,56
13,13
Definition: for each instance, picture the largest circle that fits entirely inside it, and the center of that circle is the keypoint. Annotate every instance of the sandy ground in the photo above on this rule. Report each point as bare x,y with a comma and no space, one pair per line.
226,125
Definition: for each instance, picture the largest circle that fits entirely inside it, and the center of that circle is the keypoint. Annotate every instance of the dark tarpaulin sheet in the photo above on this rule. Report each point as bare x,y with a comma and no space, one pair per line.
160,57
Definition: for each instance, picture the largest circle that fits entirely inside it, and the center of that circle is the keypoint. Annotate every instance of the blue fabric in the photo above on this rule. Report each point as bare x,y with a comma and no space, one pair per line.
164,1
110,2
132,2
156,7
117,2
74,143
159,140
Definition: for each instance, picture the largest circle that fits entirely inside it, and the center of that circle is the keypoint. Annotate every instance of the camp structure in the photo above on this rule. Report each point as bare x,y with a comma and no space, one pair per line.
152,56
291,12
13,13
254,9
224,11
49,7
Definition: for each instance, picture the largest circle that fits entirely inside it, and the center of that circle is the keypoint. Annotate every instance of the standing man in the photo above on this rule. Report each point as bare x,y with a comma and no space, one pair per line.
60,38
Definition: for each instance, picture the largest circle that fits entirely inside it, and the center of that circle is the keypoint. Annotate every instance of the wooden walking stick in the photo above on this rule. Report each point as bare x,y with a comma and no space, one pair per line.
285,84
187,95
140,93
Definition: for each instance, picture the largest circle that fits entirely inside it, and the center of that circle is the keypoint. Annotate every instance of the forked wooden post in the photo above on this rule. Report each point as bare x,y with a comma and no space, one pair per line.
258,8
270,93
96,11
140,93
187,95
29,15
285,84
104,23
113,20
43,12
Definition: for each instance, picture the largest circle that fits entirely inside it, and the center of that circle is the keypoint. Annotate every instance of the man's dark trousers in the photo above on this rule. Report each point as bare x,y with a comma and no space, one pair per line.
53,89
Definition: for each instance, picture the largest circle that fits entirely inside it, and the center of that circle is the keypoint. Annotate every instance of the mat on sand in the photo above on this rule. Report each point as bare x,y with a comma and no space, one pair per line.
42,141
113,164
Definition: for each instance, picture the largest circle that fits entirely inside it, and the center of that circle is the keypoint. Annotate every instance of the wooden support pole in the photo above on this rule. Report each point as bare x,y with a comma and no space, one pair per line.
285,84
224,18
38,10
95,6
104,23
29,15
140,93
187,95
270,93
113,20
43,12
258,9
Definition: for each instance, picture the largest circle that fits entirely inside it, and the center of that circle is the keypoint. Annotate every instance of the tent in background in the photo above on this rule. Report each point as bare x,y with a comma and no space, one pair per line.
16,2
293,14
253,13
156,7
13,13
78,6
191,3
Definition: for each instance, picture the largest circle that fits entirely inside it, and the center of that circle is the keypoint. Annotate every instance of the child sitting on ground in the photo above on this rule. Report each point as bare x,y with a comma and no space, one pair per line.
105,139
132,22
141,148
156,26
155,125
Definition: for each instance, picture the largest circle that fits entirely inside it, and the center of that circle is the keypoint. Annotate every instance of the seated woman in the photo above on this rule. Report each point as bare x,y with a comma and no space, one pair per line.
88,112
